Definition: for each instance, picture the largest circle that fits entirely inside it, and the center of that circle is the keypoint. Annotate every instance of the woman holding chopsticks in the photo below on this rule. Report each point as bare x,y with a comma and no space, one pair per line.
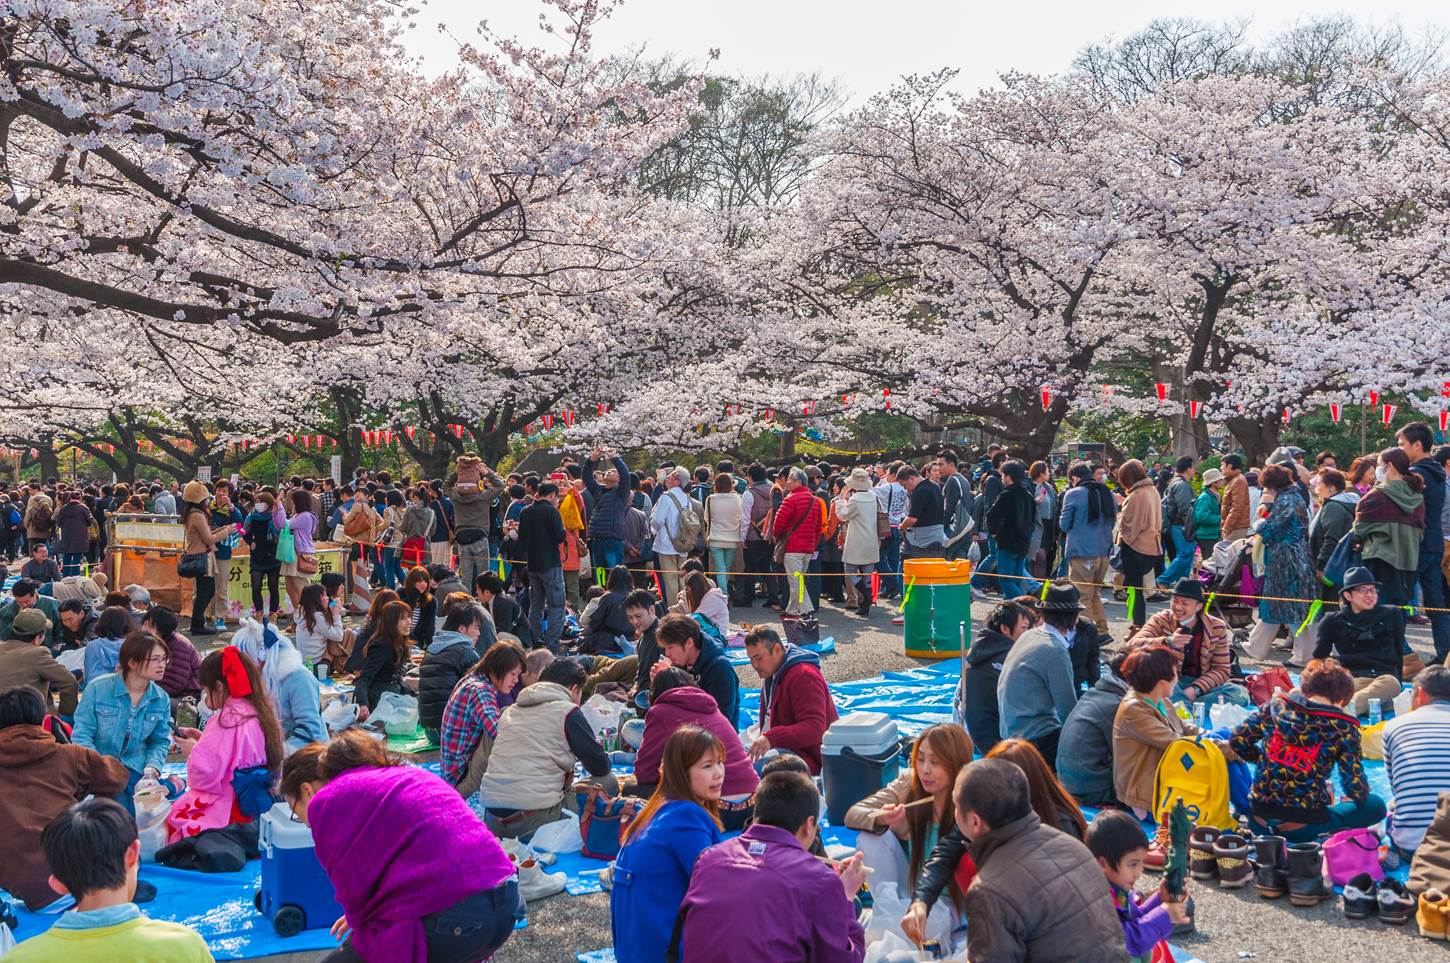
900,825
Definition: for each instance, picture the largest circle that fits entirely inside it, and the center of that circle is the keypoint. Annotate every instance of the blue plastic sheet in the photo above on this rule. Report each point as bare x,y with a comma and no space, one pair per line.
826,646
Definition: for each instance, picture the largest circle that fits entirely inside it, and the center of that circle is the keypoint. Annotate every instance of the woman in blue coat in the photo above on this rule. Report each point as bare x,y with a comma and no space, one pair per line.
680,821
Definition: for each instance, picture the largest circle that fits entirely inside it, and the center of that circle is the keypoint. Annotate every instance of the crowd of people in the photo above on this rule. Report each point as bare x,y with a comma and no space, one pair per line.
505,602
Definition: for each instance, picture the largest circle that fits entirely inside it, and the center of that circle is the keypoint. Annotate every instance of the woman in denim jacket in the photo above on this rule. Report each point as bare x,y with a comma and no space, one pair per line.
126,714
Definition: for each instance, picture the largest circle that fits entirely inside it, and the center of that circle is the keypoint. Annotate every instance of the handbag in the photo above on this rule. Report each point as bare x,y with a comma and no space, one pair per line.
779,553
1261,685
306,563
413,551
192,566
603,820
1350,852
286,545
803,631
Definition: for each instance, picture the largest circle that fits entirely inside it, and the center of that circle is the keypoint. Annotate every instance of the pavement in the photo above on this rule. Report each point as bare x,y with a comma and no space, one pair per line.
1232,925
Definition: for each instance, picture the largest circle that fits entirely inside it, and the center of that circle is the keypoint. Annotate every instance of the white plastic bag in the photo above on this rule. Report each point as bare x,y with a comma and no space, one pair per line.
1402,703
894,948
339,715
603,716
397,712
890,906
560,836
7,939
151,809
1227,715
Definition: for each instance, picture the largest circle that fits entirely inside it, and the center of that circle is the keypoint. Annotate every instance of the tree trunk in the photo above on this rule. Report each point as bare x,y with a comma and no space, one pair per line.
49,460
1257,436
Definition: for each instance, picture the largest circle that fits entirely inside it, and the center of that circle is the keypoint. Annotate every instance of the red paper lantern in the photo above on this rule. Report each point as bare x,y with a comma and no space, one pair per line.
1374,397
1287,416
1193,408
1445,389
603,407
808,408
1389,414
1444,419
291,439
886,393
1335,412
548,421
1046,397
770,414
1162,387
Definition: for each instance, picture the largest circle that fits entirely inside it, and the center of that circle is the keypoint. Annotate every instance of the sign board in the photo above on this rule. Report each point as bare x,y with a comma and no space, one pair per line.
337,469
203,473
236,575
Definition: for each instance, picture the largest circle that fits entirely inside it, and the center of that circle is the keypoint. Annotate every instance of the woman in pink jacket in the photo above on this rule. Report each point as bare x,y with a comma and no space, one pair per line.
675,700
242,734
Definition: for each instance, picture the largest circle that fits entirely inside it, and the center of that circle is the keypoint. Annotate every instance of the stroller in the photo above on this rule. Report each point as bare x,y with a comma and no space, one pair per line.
1230,574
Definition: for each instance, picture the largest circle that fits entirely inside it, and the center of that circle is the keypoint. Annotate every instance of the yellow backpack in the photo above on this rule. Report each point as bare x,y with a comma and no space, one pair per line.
1196,771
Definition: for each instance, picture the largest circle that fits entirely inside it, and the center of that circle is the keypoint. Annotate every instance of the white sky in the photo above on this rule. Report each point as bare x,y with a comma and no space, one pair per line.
867,45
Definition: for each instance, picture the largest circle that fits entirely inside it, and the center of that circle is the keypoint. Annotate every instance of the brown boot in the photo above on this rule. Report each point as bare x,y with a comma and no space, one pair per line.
1232,852
1158,848
1202,860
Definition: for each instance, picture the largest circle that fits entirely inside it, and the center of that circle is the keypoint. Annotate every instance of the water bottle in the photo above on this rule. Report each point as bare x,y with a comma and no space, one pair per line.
1375,716
1215,714
1205,711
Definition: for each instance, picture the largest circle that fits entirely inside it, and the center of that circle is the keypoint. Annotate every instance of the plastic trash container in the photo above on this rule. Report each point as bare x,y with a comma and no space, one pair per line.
296,894
860,755
938,601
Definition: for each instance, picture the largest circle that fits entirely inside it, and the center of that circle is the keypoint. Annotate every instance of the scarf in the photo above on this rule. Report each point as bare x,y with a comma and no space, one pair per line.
1100,500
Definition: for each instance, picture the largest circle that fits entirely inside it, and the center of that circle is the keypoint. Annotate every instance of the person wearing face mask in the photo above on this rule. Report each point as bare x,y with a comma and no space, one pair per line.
260,531
1389,523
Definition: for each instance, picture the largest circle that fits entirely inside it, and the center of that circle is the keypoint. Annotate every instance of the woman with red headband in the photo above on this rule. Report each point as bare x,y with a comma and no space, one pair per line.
242,735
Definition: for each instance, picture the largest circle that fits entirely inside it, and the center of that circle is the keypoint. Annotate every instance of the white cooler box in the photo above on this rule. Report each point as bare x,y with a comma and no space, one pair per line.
860,754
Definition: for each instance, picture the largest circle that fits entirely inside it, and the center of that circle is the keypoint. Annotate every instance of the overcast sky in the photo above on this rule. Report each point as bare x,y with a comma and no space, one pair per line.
867,45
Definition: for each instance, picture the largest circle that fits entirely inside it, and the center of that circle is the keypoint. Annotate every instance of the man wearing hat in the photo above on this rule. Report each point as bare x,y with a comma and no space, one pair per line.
25,594
1201,640
1367,638
1083,638
24,660
1035,692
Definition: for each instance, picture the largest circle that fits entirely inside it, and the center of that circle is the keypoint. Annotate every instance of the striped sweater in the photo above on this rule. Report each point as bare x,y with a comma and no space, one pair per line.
1417,754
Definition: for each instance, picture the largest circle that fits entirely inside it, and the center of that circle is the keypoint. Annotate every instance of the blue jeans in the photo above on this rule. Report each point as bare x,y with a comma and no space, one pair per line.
1182,564
984,576
1231,691
70,563
392,568
606,553
720,560
890,566
546,588
1432,595
1010,564
1342,815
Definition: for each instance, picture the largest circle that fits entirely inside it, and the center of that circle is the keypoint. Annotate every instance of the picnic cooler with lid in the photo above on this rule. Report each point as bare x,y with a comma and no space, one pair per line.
296,894
938,601
860,754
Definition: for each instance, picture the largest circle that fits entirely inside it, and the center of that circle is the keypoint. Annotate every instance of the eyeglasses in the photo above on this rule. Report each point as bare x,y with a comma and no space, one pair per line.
158,660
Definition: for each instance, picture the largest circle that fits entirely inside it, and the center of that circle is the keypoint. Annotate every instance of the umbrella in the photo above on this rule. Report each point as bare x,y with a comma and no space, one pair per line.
1176,864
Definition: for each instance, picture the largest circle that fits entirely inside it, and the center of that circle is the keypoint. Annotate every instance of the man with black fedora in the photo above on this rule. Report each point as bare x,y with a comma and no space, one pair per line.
1084,640
1035,692
1367,638
1201,640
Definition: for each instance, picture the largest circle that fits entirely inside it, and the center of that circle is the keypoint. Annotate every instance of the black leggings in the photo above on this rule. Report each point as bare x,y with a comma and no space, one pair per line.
1135,566
205,591
271,577
470,929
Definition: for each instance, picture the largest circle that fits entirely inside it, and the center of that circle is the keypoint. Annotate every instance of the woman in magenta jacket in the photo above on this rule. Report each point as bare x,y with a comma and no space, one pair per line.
675,700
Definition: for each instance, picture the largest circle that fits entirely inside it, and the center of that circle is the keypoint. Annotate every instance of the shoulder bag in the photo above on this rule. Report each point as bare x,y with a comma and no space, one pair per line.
779,553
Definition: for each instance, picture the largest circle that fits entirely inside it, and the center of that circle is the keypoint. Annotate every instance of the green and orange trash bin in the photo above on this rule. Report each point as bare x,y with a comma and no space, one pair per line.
937,605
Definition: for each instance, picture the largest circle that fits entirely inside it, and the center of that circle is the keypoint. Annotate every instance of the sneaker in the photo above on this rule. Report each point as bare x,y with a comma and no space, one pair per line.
220,625
898,620
1431,915
1361,897
535,884
1395,902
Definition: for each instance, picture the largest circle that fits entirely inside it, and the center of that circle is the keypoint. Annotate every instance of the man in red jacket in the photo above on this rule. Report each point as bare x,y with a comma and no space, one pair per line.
796,707
798,524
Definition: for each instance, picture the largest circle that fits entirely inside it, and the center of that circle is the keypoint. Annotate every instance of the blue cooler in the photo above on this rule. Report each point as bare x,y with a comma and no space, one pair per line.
860,755
296,894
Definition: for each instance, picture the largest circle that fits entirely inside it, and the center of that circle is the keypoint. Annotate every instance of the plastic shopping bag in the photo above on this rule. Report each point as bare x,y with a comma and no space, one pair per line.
560,836
892,948
890,906
339,715
398,713
604,716
151,809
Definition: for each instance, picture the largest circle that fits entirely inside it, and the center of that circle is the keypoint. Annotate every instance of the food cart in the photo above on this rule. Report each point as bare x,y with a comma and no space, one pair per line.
144,550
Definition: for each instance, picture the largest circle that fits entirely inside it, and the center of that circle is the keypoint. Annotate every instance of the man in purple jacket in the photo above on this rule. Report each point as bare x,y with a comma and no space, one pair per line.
770,865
